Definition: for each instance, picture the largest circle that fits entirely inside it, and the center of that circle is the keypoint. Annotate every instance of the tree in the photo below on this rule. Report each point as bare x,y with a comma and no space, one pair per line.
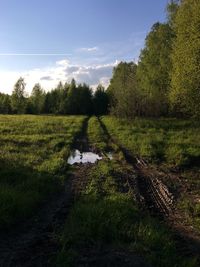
72,100
172,9
48,103
154,69
100,101
84,105
5,104
18,99
123,90
64,99
37,99
185,92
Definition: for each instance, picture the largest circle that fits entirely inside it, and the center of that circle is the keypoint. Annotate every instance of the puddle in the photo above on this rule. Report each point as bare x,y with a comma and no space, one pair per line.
83,157
109,155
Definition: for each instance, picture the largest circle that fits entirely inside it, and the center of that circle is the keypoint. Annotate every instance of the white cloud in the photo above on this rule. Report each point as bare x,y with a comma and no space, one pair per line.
63,62
63,71
89,49
99,71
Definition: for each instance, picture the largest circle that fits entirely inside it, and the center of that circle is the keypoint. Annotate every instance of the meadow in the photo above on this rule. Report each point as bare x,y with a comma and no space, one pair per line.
169,144
106,215
171,141
33,154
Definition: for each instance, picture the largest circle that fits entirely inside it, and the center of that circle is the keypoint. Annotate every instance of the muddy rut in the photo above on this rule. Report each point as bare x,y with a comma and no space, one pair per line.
35,242
150,191
153,195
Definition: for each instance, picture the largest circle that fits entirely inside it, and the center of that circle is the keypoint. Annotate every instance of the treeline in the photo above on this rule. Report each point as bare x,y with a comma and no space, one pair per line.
68,98
166,80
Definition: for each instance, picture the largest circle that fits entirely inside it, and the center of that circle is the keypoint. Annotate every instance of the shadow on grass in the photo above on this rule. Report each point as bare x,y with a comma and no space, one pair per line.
22,190
115,222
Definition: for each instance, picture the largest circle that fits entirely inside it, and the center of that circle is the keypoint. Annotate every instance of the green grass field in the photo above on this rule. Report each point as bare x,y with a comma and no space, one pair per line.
33,154
106,215
175,142
33,167
170,143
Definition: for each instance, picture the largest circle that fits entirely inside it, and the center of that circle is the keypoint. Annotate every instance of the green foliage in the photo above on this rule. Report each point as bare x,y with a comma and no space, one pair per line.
124,91
79,99
100,101
18,100
154,70
37,99
172,9
185,93
71,99
5,104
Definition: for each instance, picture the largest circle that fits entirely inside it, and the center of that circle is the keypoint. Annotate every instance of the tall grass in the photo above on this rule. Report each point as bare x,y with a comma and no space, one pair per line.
107,215
96,136
175,142
33,156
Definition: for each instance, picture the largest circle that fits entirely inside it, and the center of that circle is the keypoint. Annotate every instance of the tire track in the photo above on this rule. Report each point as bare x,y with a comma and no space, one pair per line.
153,195
151,192
35,242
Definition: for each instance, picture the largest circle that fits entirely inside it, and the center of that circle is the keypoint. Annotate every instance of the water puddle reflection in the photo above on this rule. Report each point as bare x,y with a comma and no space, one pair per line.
83,157
87,157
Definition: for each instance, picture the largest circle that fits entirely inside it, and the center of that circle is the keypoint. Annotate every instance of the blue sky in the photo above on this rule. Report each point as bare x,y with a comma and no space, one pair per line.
50,40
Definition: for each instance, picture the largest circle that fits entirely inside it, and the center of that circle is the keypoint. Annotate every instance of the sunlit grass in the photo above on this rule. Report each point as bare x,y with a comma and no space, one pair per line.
96,135
175,142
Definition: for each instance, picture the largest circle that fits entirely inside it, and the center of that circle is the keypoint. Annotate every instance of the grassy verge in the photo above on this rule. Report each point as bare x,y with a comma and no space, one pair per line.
33,157
189,202
107,216
170,143
175,142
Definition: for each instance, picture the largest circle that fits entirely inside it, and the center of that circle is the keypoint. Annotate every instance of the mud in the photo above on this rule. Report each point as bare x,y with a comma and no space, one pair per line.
154,195
35,242
108,257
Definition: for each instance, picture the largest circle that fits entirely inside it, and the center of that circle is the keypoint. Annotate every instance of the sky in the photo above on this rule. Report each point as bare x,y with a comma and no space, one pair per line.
48,41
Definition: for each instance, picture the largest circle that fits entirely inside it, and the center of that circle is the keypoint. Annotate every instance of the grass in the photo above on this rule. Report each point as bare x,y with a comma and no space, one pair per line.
33,153
107,216
189,202
170,143
96,136
174,142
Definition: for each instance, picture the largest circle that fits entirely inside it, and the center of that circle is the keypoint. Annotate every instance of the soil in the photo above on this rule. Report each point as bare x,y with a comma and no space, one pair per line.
35,242
107,257
154,195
